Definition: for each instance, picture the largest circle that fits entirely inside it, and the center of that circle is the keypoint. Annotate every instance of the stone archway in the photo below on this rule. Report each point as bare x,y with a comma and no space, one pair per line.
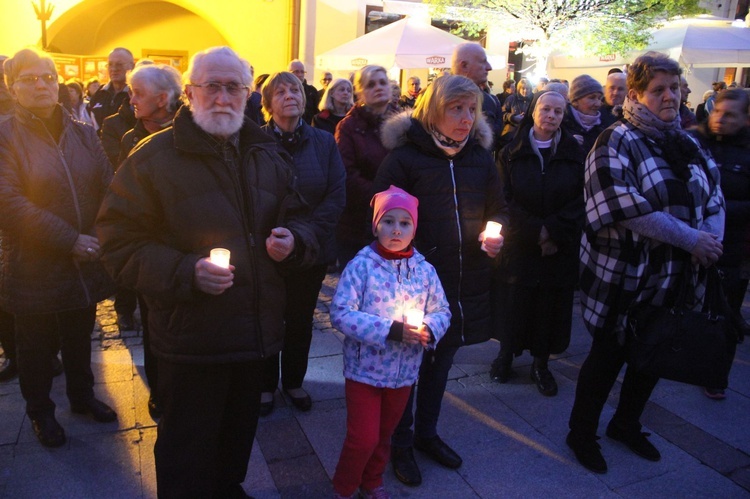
95,27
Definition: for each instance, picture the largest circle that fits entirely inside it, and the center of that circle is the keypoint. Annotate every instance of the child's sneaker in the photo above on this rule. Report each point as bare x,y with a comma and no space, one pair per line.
376,493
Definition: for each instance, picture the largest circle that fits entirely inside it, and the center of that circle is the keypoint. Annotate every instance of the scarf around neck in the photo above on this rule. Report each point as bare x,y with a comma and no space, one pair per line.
677,148
449,146
381,250
587,121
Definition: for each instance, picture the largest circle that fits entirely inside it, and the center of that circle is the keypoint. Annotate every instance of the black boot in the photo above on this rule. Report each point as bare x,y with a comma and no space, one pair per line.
501,370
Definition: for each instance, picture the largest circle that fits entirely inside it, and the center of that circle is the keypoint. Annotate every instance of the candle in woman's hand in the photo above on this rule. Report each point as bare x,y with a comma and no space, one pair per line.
491,231
220,257
414,317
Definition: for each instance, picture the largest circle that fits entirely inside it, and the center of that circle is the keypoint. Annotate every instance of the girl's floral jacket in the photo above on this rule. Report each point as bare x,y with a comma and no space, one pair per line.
371,294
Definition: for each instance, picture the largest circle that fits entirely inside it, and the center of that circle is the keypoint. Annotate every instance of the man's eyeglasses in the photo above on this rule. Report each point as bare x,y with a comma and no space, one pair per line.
116,66
213,88
32,79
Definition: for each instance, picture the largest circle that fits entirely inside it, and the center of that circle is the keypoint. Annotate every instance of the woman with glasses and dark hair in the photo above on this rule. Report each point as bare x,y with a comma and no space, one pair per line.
53,176
321,180
653,207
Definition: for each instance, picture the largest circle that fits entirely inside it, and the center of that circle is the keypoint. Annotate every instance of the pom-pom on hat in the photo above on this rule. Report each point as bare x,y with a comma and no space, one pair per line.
582,86
390,199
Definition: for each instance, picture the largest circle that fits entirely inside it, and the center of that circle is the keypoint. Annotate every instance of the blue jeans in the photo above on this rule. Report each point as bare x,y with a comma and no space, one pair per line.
433,376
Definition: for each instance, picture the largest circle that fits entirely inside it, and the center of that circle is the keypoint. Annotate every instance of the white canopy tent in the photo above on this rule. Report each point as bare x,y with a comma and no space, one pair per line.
405,44
705,42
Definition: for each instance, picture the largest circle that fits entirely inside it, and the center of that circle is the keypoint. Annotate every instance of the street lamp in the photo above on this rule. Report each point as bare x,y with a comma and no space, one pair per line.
43,13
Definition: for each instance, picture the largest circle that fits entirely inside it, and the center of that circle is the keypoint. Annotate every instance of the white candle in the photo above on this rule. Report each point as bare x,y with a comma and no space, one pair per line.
414,317
491,231
220,257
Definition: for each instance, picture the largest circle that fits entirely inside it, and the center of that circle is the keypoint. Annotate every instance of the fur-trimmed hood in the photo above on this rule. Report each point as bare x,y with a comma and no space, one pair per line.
394,132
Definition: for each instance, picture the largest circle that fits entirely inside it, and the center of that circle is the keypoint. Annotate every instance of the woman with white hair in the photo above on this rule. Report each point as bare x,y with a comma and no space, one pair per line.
156,95
338,99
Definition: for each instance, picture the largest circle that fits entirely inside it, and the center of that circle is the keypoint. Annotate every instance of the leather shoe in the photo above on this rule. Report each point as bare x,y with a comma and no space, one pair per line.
126,322
10,371
438,451
544,380
300,399
587,452
636,441
405,466
95,408
502,372
48,431
266,403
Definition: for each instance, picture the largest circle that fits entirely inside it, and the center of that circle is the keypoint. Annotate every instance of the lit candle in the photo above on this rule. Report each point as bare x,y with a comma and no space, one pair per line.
220,257
491,231
414,317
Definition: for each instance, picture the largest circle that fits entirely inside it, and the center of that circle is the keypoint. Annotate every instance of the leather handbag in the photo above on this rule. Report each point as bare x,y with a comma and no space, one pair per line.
676,343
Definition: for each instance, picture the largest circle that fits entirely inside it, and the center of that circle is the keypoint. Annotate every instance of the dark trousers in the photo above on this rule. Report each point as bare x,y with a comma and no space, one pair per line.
149,359
205,435
302,289
38,338
598,374
433,377
8,335
125,301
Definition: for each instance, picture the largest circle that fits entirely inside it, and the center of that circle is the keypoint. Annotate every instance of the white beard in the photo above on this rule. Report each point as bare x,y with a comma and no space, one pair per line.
221,125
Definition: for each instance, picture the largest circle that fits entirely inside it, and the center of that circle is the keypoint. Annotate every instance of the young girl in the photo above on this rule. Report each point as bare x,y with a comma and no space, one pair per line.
382,353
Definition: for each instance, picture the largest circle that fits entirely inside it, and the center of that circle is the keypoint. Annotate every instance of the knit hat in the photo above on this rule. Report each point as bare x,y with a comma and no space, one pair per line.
582,86
390,199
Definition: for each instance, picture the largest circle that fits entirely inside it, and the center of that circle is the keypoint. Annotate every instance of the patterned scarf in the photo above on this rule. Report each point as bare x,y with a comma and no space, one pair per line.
449,146
678,149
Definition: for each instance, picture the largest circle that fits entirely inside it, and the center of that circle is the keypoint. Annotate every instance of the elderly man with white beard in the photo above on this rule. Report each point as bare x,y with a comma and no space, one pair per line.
210,181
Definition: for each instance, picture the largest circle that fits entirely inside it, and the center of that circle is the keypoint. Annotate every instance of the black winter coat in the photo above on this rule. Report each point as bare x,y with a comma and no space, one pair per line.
732,155
172,201
50,193
457,196
537,195
321,180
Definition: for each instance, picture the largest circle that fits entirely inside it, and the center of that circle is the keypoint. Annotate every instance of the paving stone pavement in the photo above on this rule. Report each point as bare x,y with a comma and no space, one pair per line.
510,437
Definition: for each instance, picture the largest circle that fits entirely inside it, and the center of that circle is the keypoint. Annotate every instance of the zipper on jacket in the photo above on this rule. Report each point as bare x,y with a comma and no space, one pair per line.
460,249
74,193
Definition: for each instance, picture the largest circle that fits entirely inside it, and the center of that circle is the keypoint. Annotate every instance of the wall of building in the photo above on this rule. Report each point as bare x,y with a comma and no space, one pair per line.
257,29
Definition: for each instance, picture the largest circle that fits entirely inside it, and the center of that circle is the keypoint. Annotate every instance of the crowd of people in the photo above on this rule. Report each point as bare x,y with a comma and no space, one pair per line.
124,191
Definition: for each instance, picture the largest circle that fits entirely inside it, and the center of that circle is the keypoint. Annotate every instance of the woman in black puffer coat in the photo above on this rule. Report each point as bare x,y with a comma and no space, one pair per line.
442,155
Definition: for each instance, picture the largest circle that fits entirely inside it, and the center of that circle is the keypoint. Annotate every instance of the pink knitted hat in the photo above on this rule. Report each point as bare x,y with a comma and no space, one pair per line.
392,198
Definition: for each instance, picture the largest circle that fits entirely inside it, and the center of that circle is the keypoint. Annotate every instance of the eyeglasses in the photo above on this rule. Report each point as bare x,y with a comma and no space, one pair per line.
326,79
116,66
213,88
32,79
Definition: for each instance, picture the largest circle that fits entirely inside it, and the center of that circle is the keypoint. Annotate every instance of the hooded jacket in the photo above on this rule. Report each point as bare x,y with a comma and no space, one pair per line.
457,196
172,201
373,293
50,193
